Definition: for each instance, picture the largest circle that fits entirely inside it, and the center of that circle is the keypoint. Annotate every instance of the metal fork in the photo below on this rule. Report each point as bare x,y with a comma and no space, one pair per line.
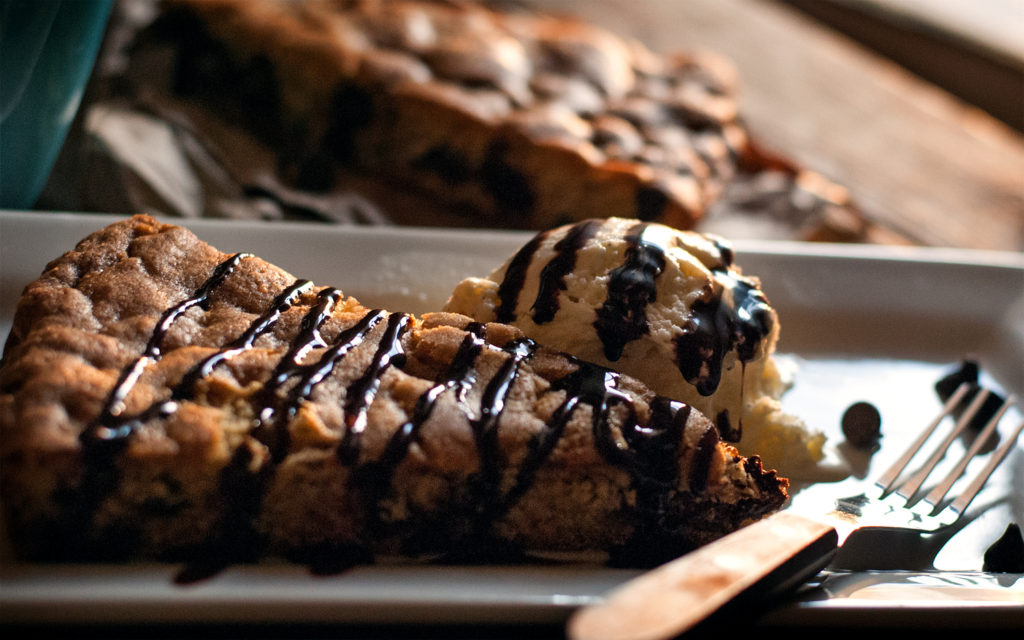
784,550
896,500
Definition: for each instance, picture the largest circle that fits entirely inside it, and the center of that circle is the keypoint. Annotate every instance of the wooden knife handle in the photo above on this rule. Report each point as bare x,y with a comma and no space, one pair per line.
777,552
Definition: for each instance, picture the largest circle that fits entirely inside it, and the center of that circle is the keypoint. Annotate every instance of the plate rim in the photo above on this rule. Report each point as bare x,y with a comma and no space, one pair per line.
548,611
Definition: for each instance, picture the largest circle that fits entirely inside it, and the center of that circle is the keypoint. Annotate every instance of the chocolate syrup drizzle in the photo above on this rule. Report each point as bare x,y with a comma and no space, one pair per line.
361,393
649,451
110,425
739,320
271,423
631,287
552,277
376,476
515,279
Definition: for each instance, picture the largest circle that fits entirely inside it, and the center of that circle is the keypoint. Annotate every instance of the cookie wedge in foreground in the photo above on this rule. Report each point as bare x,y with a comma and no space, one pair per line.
161,399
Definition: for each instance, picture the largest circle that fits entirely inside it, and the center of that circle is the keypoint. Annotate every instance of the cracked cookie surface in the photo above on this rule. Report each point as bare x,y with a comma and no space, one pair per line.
162,399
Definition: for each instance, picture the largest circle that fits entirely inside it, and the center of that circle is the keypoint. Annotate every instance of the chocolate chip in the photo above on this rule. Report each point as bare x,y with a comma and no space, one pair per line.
353,109
260,87
695,119
449,164
968,372
616,135
650,203
509,187
861,424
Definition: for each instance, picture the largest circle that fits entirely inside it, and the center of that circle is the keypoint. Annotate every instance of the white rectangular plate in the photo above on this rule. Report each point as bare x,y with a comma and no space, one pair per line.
880,324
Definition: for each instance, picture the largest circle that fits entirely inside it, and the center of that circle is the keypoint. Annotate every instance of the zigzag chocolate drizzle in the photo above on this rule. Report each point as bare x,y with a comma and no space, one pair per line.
715,326
459,377
271,426
185,388
648,452
485,428
362,392
110,425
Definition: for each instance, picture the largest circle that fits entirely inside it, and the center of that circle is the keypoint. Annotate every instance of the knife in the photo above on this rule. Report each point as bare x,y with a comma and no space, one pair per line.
756,560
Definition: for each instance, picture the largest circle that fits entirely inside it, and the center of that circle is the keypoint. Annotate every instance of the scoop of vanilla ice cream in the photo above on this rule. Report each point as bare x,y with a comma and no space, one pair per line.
665,306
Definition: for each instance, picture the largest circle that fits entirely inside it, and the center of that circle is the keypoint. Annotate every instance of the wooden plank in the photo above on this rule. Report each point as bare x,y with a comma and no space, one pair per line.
916,159
965,49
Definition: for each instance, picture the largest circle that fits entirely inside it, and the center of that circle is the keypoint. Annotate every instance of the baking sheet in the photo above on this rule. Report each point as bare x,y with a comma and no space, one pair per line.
859,323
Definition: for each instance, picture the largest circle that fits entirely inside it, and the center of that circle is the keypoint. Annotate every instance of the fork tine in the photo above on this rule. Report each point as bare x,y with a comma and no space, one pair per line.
964,499
939,492
910,488
888,478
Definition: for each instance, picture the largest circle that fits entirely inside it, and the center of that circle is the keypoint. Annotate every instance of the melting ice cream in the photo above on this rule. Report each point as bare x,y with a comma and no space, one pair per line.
666,306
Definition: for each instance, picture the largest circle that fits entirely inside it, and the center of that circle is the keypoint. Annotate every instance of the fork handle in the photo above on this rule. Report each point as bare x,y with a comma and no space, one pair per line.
776,553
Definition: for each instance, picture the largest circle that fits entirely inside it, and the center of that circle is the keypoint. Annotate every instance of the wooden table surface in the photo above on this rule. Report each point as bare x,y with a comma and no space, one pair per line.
915,158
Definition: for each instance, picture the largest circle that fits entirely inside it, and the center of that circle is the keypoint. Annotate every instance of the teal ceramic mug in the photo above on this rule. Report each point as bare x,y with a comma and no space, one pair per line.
47,52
